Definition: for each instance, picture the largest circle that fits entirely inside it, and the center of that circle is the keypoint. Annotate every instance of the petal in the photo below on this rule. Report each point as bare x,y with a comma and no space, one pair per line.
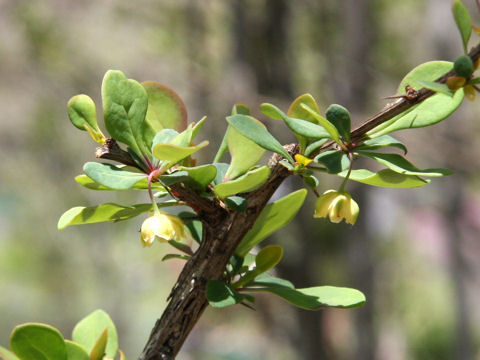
322,205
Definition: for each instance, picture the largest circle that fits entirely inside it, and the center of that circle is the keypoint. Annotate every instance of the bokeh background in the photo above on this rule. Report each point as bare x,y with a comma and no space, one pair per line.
414,253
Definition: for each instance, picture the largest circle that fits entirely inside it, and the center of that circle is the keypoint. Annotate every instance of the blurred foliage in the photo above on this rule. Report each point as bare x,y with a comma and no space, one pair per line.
51,50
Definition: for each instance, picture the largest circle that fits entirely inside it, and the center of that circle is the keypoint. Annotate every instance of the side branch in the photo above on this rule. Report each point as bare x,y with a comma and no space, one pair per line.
399,106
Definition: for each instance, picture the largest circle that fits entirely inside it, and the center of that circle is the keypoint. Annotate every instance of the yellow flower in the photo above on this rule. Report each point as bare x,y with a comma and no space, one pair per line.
337,206
162,227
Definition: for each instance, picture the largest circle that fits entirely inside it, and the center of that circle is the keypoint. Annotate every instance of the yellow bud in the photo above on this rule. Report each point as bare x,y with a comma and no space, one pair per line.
162,227
337,206
302,160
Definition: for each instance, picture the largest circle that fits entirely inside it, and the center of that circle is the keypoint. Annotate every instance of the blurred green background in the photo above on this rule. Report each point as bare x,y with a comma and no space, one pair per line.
414,253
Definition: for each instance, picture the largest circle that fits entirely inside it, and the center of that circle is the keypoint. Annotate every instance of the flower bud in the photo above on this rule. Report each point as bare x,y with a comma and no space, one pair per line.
162,227
337,206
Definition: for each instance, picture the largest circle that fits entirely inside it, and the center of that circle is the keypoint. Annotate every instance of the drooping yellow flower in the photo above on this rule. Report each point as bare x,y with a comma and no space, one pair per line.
162,227
337,206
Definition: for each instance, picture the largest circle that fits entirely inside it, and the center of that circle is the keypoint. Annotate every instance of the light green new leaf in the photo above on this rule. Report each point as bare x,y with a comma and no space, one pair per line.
166,109
401,165
250,128
83,115
381,142
303,128
125,105
430,111
268,257
329,127
89,329
437,87
247,182
164,136
38,341
272,111
274,216
221,295
80,215
6,354
385,178
315,298
200,176
91,184
98,349
76,351
297,111
112,176
237,109
244,153
463,21
197,127
175,153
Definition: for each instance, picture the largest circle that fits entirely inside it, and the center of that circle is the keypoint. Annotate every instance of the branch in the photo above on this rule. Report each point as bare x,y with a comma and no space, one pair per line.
399,106
222,232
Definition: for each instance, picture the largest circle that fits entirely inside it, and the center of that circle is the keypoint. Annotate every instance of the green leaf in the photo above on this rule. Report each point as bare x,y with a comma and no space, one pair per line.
401,165
193,224
83,114
236,203
221,295
334,160
89,329
80,215
175,256
112,176
463,21
311,181
174,178
274,216
175,153
250,128
430,111
6,354
240,109
244,153
199,176
247,182
306,129
75,351
385,178
303,128
164,136
381,142
38,341
314,145
98,350
268,257
221,171
197,127
339,116
297,111
437,87
91,184
125,105
267,280
315,298
166,109
329,127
